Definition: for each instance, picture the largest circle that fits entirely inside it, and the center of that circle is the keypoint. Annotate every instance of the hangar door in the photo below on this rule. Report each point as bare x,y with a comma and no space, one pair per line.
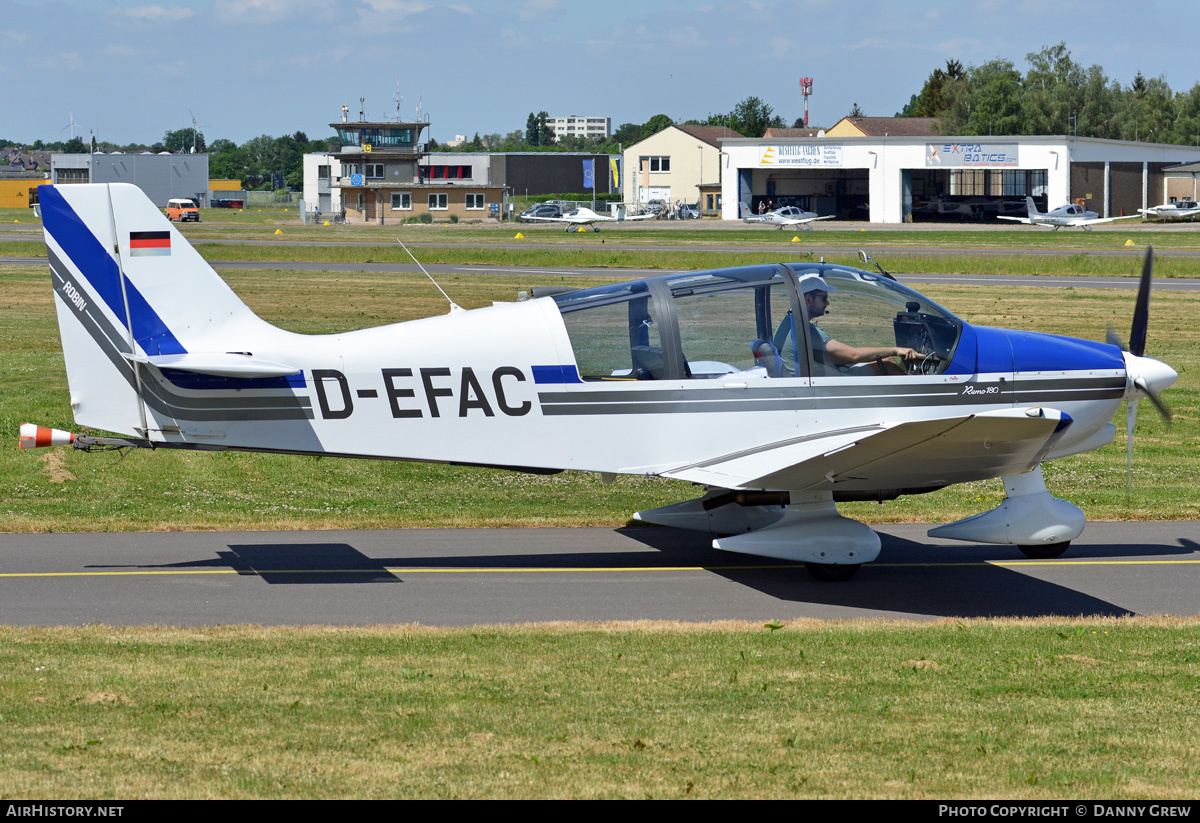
840,192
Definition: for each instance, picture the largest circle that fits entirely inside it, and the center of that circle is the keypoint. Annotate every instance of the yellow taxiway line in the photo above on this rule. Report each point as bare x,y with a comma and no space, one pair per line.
581,570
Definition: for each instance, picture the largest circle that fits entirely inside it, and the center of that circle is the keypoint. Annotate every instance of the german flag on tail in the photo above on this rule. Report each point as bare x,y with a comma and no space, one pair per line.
149,244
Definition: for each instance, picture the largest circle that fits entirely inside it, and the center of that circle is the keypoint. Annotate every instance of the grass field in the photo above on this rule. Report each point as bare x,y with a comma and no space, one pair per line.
1047,709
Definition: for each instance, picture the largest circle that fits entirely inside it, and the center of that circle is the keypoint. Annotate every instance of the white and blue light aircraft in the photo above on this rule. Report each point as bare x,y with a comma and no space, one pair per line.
1064,217
579,218
782,218
738,380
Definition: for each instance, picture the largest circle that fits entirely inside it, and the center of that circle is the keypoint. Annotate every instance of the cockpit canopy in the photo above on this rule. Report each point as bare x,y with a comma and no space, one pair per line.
750,320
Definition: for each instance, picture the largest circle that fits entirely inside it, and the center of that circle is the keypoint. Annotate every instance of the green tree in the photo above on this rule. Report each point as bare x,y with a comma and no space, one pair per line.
654,125
1053,91
545,133
181,140
532,131
931,101
751,117
996,89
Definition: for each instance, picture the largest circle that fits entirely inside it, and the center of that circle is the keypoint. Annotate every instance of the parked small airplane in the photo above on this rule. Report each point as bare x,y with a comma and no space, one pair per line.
586,217
1173,211
735,379
785,217
1068,216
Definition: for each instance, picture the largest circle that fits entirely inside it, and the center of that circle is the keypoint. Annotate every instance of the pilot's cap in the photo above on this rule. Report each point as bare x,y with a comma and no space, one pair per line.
814,282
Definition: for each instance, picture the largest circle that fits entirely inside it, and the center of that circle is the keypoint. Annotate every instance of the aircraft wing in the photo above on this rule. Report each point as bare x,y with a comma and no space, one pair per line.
1099,220
929,453
800,221
1110,220
546,219
647,216
1024,220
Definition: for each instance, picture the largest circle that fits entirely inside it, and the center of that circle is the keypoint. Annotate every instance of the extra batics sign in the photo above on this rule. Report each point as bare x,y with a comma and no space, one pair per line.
802,155
970,155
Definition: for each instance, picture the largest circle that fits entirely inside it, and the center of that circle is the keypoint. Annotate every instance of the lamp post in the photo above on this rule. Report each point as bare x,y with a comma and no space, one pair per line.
700,181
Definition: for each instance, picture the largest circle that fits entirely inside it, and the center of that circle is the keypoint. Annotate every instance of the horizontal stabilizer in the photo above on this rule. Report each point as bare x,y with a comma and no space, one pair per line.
218,364
933,453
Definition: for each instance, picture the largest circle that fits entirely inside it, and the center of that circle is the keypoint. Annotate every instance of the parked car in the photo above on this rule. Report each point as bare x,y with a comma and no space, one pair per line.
182,209
654,207
546,210
689,211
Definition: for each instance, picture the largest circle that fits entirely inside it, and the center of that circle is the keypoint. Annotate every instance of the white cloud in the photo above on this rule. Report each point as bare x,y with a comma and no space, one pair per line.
539,9
784,47
877,44
687,37
152,13
268,11
397,8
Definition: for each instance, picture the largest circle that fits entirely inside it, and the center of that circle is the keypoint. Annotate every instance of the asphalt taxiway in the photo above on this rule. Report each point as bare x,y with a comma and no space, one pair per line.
500,576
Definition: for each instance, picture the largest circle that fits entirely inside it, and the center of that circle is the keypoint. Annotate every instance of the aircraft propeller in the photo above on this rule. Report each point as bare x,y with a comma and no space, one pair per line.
1146,376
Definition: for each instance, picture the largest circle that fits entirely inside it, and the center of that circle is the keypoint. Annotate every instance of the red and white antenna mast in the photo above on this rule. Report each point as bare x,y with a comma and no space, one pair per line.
806,90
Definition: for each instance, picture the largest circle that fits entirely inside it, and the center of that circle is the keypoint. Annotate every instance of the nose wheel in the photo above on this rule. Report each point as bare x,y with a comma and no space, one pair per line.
1045,551
828,573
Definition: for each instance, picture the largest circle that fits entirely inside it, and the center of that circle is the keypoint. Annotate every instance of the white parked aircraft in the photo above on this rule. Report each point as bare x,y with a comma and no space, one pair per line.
586,217
784,217
1068,216
732,378
1173,211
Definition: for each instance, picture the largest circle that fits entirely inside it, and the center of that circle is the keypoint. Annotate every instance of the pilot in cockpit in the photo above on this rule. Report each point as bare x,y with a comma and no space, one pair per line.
838,357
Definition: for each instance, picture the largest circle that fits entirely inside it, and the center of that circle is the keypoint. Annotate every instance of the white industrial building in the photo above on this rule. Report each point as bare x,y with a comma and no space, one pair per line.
896,179
578,125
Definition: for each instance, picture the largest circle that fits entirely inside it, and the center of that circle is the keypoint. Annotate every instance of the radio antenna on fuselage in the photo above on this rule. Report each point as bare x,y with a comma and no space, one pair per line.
454,307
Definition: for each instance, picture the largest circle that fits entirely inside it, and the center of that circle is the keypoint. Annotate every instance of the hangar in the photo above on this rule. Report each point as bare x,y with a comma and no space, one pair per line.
894,177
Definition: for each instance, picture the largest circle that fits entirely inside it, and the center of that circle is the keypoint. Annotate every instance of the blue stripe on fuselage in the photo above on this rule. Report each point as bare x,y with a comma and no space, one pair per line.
90,257
203,382
555,374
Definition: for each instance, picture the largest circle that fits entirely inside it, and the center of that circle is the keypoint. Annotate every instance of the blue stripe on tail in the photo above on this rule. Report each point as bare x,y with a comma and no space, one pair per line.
90,257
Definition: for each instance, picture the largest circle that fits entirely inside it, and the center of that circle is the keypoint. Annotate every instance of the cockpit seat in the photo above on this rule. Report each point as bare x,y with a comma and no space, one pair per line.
767,355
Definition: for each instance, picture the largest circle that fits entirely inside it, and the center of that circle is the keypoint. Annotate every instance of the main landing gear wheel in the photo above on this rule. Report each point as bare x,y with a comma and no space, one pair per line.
829,573
1045,551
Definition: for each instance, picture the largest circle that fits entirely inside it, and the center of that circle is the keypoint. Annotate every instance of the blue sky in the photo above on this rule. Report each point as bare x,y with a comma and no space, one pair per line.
251,67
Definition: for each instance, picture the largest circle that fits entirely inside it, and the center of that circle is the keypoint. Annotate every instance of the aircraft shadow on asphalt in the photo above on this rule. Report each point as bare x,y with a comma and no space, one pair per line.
941,581
293,563
909,577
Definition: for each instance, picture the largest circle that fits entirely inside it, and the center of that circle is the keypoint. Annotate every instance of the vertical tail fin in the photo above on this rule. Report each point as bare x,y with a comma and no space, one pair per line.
1031,207
129,287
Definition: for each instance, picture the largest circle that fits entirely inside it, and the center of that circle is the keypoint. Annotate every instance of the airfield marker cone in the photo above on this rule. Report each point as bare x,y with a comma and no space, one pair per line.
581,229
796,238
279,231
34,436
1128,242
519,236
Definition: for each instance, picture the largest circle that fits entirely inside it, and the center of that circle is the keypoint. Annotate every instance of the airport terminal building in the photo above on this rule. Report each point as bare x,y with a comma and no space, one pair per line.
902,178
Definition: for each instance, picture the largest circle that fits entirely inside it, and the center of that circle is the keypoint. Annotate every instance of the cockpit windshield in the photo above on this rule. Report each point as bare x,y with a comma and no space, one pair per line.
863,323
769,321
